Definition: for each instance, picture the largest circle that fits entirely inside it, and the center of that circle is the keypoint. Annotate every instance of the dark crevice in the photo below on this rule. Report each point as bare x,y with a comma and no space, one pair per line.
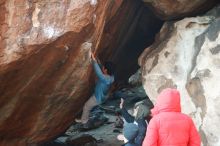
133,37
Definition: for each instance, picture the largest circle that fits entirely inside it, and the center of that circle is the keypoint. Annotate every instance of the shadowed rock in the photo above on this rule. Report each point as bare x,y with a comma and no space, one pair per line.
175,9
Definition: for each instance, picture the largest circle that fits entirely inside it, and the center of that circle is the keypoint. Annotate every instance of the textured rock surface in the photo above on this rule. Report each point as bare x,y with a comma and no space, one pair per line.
173,9
136,79
187,56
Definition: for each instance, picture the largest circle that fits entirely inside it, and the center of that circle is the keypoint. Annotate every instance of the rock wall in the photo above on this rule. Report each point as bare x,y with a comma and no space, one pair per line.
186,56
175,9
45,70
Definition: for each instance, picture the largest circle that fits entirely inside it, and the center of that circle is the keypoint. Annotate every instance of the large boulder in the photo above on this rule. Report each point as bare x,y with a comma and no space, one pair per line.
186,56
45,69
175,9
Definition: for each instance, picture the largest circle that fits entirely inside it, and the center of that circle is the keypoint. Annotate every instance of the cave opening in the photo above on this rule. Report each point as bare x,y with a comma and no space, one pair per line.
138,27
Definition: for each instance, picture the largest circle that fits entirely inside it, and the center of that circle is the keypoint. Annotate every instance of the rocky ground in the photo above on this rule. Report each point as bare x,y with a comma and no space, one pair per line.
104,125
103,134
106,135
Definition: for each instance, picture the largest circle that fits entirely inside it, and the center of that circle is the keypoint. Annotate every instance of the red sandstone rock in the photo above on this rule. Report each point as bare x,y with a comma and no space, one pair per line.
45,69
174,9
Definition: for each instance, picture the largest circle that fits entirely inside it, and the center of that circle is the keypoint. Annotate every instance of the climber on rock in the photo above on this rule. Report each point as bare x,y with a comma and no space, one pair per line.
105,75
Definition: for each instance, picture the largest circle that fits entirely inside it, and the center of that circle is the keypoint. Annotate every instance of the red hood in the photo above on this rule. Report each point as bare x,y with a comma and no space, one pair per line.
167,101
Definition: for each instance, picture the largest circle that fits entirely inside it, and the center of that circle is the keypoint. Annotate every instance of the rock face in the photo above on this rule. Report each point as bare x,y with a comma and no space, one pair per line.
186,56
45,69
174,9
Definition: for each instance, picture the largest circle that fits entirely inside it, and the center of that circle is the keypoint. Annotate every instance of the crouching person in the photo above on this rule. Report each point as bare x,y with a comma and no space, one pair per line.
141,113
130,132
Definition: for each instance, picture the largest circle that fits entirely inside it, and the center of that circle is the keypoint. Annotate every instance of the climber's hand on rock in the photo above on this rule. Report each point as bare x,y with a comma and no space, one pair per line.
93,56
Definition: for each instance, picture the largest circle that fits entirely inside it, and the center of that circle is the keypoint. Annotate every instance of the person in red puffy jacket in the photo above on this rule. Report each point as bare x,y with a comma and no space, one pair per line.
170,127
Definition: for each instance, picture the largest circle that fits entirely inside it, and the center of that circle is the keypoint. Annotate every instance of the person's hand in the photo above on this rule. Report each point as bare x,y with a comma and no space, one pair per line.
122,103
120,137
93,56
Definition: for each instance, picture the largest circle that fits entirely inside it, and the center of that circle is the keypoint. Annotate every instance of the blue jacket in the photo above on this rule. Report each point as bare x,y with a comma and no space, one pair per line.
103,84
142,127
